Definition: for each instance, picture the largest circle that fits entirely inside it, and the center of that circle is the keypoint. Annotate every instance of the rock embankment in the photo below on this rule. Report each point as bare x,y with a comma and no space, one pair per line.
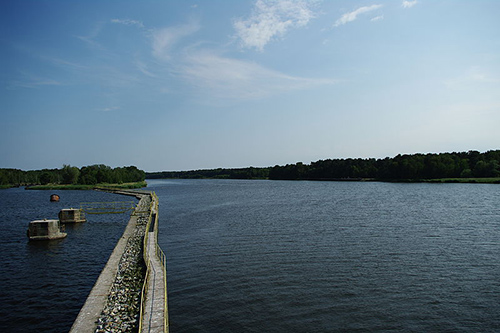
121,312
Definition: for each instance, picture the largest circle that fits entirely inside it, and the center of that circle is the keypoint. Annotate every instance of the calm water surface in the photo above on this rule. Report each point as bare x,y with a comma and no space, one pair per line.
275,256
272,256
44,284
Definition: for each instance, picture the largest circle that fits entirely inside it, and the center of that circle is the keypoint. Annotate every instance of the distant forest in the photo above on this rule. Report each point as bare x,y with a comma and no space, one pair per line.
87,175
242,173
471,164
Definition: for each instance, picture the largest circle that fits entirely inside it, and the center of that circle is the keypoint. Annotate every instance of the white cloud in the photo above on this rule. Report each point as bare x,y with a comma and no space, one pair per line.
165,38
409,3
271,19
128,22
377,18
237,79
351,16
212,74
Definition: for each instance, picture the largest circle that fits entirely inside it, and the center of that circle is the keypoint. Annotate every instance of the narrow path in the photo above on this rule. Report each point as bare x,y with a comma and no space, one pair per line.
103,312
91,312
153,320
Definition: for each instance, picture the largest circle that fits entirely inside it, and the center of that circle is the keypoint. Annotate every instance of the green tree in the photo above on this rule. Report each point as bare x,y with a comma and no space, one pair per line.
45,178
70,174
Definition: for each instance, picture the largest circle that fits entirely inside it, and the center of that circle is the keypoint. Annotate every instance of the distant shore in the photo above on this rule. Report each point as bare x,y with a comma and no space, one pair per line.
88,187
491,180
457,167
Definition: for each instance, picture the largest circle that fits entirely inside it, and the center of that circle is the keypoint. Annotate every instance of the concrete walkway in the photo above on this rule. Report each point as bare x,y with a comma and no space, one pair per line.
91,310
155,316
154,313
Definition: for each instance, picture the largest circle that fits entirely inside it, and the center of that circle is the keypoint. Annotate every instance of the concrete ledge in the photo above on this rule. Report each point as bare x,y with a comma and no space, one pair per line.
91,310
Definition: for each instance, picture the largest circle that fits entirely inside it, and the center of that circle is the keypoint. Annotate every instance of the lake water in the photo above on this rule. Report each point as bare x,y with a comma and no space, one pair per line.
275,256
278,256
45,283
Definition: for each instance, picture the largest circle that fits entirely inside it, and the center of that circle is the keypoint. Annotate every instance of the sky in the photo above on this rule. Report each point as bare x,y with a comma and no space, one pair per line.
183,85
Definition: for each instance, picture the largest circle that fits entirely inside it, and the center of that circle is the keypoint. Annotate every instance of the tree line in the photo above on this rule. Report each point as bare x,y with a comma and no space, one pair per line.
239,173
87,175
471,164
399,168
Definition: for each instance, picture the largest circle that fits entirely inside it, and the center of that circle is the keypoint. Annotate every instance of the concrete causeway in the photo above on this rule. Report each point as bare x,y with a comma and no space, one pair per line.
143,223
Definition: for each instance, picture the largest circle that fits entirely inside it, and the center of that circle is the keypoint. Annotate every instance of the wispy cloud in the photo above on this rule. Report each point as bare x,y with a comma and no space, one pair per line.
61,63
238,79
409,3
141,66
128,22
112,108
32,81
351,16
176,51
377,18
210,73
270,20
90,38
164,39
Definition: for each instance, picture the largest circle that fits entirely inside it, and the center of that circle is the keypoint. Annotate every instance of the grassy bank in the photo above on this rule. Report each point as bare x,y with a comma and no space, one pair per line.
88,187
494,180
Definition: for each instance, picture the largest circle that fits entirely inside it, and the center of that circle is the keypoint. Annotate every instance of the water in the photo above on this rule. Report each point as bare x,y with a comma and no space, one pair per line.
272,256
275,256
44,284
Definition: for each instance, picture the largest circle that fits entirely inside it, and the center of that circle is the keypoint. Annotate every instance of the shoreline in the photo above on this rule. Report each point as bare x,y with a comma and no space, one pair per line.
489,180
102,186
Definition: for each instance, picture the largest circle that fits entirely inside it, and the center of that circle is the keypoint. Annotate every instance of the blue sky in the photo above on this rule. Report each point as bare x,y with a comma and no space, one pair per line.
181,85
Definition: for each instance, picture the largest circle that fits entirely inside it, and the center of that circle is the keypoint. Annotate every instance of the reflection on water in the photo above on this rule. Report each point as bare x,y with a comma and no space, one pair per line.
45,247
